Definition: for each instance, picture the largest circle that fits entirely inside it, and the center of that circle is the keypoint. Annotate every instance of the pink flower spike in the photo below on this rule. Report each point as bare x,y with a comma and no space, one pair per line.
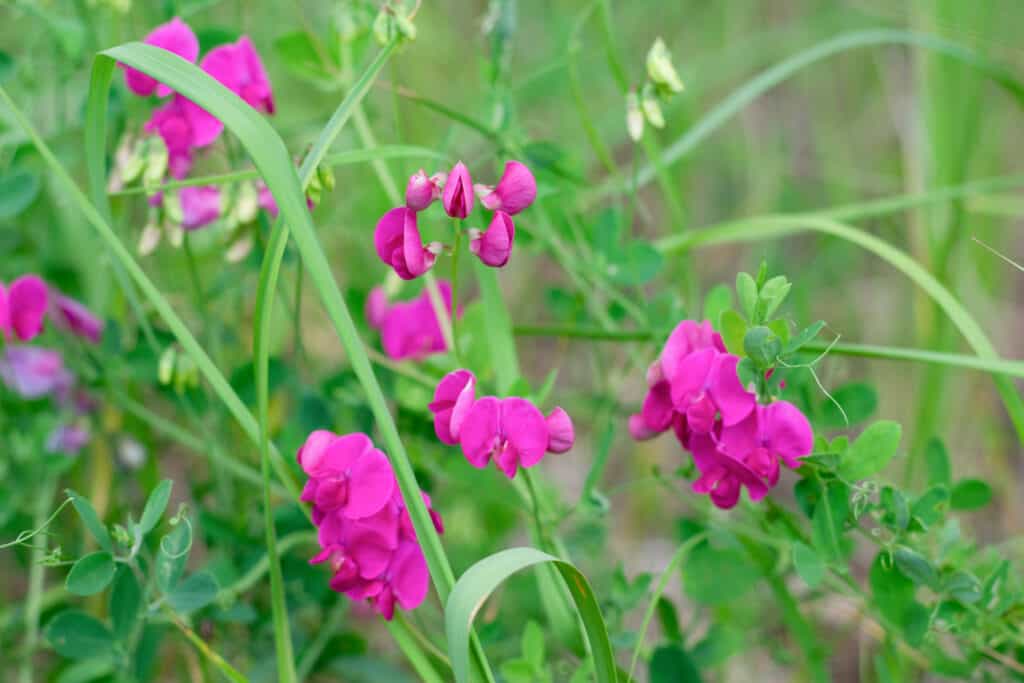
238,67
75,317
458,192
561,435
200,206
27,301
421,191
453,398
515,191
176,37
494,246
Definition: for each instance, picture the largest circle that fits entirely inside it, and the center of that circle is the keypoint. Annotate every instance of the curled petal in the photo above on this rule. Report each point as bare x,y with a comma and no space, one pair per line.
75,317
561,435
494,245
387,237
27,301
418,260
458,192
481,431
515,191
453,399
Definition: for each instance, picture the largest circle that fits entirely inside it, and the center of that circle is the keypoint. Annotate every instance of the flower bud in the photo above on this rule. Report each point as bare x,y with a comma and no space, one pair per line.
458,192
165,369
660,69
652,109
634,117
239,249
246,204
421,191
561,435
515,191
494,246
149,239
156,158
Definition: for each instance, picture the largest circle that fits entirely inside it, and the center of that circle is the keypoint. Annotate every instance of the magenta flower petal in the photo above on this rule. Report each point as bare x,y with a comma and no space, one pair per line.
418,260
387,237
204,127
370,551
5,313
458,192
689,381
410,579
176,37
311,453
639,430
344,451
421,191
481,431
238,67
515,191
453,399
524,427
27,301
561,435
200,206
377,307
788,434
371,483
732,399
494,245
75,317
687,337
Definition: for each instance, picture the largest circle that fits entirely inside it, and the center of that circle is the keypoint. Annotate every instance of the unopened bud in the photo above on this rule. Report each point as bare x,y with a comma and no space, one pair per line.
165,369
660,69
652,110
634,117
247,203
155,162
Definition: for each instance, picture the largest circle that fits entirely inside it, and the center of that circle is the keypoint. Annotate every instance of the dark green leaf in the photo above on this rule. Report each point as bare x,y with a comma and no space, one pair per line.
76,635
155,506
828,522
170,560
669,620
125,603
859,401
872,450
808,565
915,567
807,491
672,664
91,574
970,494
195,592
937,458
91,520
891,590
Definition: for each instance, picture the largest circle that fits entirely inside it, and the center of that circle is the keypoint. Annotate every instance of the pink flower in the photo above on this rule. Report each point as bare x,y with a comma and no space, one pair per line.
422,190
722,476
269,204
68,438
238,67
458,192
705,385
773,432
347,474
23,307
410,329
515,191
76,318
183,125
200,206
561,434
399,245
176,37
494,245
452,400
510,430
33,372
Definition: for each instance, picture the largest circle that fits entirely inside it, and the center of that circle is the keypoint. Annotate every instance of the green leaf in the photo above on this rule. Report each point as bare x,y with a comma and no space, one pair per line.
91,520
915,623
929,508
636,264
963,587
762,346
915,567
896,508
155,506
480,580
858,399
746,292
195,592
716,302
672,664
518,671
807,492
715,576
772,294
76,635
18,189
668,618
937,459
125,603
734,329
91,574
607,228
808,565
6,66
970,494
533,645
872,450
173,554
829,522
805,335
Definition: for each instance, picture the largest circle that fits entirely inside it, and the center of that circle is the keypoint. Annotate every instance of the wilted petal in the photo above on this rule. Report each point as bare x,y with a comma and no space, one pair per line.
515,191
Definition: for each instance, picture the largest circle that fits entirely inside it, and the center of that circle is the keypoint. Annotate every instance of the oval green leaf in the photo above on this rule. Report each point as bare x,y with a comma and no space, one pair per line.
155,506
91,574
872,450
76,635
970,494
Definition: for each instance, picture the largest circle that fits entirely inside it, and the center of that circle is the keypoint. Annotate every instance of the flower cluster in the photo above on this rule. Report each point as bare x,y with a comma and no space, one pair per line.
511,430
397,236
736,442
364,529
409,329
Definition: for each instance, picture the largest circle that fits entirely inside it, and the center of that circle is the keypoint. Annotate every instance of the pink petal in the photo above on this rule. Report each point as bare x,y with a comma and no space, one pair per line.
740,439
410,579
506,459
638,428
788,433
27,301
458,192
561,435
687,337
311,454
205,128
417,259
420,192
524,427
515,191
371,552
344,451
690,377
494,246
176,37
200,206
371,483
5,313
657,410
387,237
75,317
481,430
732,399
453,399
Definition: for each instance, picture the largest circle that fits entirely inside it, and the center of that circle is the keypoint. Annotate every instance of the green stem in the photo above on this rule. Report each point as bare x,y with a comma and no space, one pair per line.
229,672
455,289
410,648
36,571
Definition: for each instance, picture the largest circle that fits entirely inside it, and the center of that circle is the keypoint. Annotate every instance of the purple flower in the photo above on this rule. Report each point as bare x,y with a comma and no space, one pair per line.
200,206
399,245
514,192
33,372
23,307
176,37
458,192
239,68
346,474
73,316
68,439
494,246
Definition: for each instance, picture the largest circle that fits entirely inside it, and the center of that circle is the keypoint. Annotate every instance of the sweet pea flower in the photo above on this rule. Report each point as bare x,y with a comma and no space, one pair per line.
722,476
200,206
183,125
347,475
453,398
399,245
409,329
458,192
73,316
33,372
705,385
176,37
23,307
68,438
422,190
514,192
238,67
561,434
494,245
773,432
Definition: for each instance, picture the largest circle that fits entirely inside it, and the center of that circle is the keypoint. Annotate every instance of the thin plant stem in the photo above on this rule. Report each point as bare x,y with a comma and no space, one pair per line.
418,660
455,287
223,667
36,577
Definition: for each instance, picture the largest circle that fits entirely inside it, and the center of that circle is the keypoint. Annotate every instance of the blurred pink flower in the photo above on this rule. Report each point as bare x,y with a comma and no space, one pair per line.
269,204
409,329
458,192
73,316
176,37
23,307
184,126
33,372
453,398
494,246
561,434
514,192
200,206
239,68
399,245
68,438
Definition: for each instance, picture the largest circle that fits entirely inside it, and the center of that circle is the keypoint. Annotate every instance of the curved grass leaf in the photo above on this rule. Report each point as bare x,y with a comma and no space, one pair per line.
480,580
